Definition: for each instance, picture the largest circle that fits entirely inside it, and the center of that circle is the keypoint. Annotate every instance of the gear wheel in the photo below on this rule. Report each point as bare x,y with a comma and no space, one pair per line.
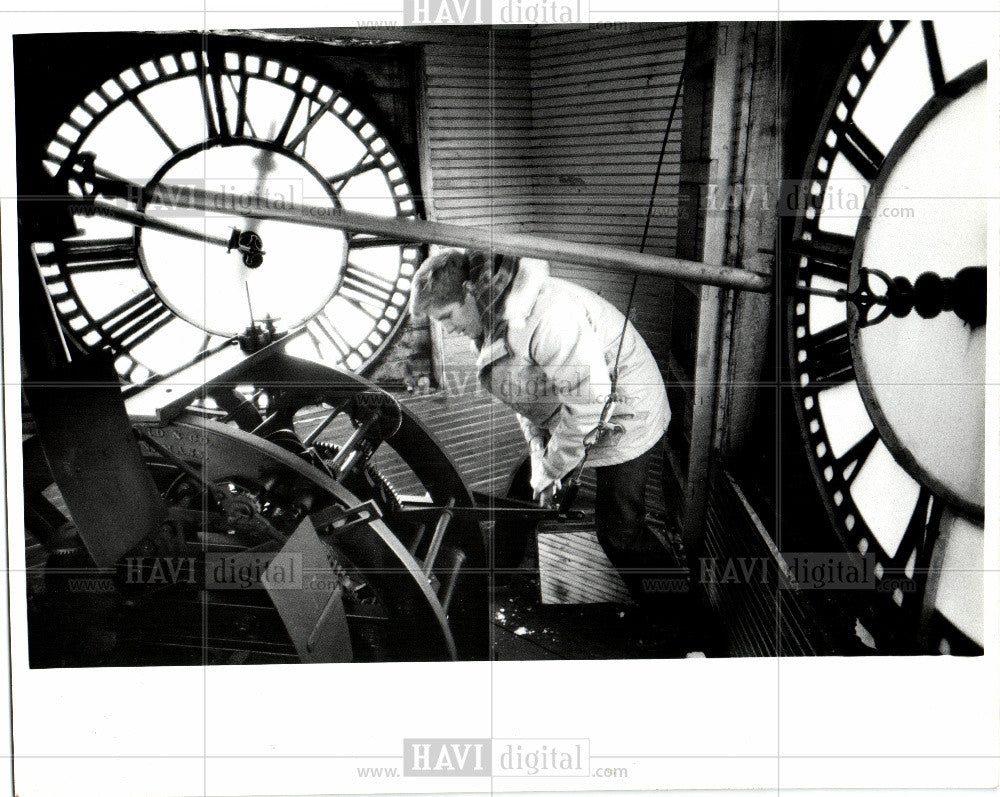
385,493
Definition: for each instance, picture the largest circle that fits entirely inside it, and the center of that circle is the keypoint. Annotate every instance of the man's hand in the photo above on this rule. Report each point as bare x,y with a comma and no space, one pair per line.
547,495
542,488
537,449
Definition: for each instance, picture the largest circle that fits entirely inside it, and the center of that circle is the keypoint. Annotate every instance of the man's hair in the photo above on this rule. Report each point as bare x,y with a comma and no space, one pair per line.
439,281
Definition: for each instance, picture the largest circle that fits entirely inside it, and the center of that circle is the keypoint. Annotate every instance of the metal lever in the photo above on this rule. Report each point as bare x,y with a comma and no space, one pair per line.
435,544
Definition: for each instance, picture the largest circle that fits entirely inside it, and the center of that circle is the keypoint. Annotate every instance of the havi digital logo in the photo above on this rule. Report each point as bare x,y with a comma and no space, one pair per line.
442,757
445,12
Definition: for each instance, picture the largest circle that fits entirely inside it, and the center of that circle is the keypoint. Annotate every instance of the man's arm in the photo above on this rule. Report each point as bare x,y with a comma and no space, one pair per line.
530,430
570,353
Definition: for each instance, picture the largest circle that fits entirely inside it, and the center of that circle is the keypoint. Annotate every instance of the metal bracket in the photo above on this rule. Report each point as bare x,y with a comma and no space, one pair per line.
336,520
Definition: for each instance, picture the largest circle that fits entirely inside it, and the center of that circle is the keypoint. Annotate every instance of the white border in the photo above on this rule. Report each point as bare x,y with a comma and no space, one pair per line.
703,723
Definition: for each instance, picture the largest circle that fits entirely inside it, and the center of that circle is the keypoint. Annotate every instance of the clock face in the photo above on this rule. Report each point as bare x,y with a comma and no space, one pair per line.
893,411
262,133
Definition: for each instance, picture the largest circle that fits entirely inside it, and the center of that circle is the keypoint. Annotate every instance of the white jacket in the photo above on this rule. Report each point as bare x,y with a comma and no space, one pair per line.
553,367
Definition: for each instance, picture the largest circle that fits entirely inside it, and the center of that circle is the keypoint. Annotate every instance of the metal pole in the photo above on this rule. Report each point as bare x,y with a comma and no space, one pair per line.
516,244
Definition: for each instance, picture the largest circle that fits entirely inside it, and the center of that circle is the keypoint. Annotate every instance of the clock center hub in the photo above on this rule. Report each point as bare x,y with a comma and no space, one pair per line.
221,291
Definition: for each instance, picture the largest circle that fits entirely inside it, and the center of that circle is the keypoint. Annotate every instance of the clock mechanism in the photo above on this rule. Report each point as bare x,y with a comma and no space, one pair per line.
205,369
886,313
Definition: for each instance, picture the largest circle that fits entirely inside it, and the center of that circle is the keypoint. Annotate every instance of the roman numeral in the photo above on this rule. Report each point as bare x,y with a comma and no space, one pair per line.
828,357
933,56
375,315
366,164
922,533
921,529
854,458
321,331
211,96
241,105
862,154
303,134
293,109
829,254
365,286
153,123
135,320
98,254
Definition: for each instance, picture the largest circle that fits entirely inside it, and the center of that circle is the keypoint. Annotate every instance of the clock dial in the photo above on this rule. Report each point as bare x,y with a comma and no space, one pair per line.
263,133
923,378
892,411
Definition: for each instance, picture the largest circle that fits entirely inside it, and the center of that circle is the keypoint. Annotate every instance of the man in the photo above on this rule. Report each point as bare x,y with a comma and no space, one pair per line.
548,348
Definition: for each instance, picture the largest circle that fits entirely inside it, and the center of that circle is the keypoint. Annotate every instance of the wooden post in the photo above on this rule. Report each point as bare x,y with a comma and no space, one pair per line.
748,341
725,104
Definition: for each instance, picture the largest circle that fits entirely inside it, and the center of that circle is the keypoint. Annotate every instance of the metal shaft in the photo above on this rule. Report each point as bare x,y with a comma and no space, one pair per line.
106,209
435,544
315,433
453,574
515,244
351,445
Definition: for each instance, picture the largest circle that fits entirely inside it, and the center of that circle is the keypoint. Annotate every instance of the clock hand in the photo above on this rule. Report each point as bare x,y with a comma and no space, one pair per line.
248,242
265,163
98,207
94,180
930,295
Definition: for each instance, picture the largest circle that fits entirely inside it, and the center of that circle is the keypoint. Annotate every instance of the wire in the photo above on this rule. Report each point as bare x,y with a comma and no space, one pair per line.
645,229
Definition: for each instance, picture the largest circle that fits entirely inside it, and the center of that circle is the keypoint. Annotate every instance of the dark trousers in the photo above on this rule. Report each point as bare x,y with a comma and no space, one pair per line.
620,512
620,509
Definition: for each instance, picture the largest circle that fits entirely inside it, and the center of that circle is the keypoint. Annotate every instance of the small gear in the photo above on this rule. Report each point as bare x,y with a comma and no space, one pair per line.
65,542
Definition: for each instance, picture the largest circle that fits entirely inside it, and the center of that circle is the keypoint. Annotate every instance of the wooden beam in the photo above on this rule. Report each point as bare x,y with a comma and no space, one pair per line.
726,102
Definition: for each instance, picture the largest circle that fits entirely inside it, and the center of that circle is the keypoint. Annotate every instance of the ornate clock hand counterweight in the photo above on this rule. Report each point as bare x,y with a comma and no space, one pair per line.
930,295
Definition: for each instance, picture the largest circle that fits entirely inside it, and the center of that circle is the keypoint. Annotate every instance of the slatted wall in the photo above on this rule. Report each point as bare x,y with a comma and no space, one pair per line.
601,98
477,119
476,127
557,131
762,617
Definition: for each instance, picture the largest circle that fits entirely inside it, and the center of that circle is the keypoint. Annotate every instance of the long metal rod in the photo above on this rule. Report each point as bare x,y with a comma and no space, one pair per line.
107,210
338,408
435,544
516,244
351,445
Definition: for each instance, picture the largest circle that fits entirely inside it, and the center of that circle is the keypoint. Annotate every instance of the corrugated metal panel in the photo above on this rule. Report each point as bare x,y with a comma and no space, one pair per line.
573,568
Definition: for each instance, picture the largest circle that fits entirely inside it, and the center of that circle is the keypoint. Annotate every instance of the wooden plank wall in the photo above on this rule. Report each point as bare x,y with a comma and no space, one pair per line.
477,122
477,119
557,131
601,98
